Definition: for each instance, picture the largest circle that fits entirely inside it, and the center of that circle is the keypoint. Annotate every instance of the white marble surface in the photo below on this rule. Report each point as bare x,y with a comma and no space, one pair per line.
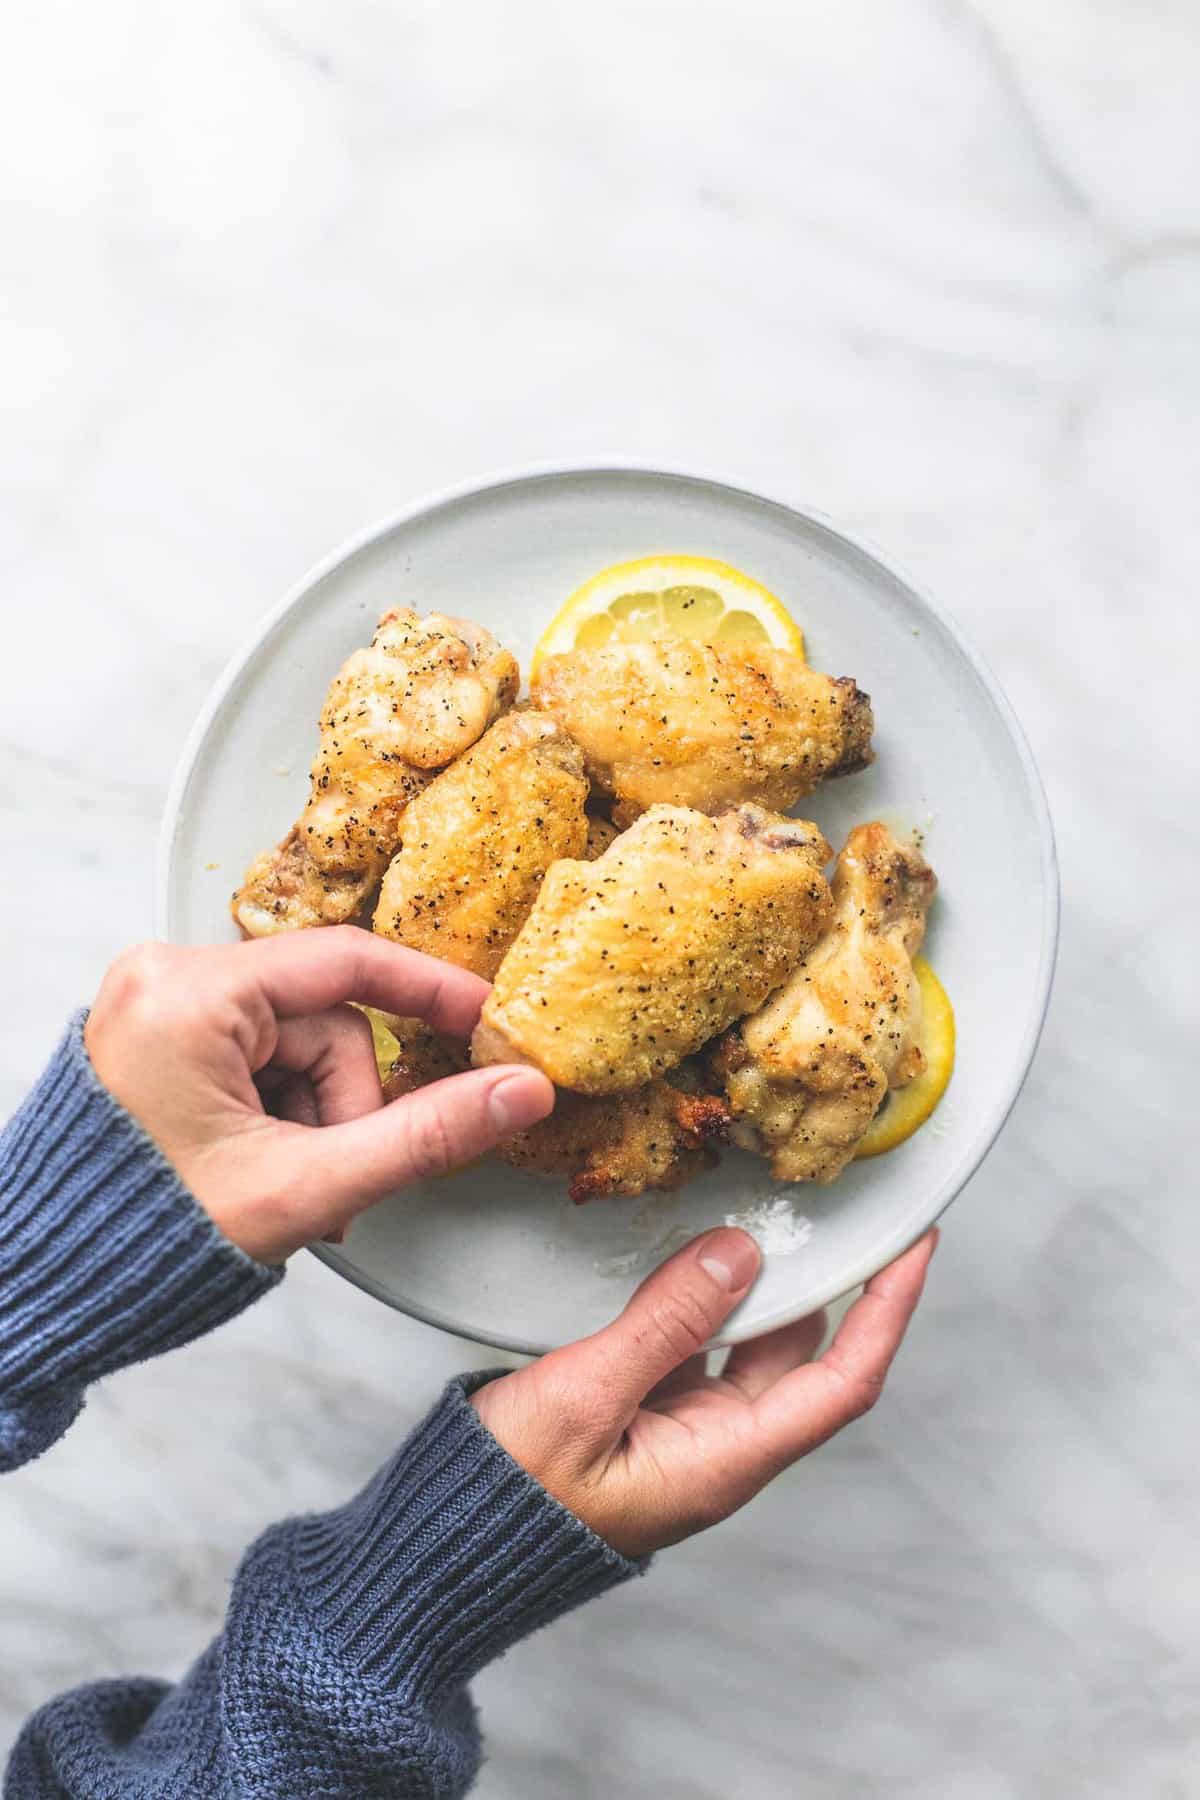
270,271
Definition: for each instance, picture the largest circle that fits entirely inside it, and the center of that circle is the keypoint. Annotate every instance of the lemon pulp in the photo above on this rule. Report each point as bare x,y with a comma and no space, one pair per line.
384,1041
908,1107
693,597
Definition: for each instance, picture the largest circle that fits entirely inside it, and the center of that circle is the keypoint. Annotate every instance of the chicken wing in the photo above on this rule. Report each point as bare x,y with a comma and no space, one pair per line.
805,1076
477,841
655,1137
420,1056
705,725
395,714
628,964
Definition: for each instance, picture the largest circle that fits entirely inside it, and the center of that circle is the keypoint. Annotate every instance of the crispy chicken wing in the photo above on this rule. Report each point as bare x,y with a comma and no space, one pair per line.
477,841
805,1076
421,1056
654,1137
285,888
395,714
628,964
705,725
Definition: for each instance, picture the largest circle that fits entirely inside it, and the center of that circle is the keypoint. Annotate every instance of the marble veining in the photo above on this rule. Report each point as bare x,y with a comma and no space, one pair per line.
271,272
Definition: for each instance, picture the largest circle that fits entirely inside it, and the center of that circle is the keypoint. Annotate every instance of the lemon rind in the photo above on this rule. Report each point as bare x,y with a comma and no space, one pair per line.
558,635
912,1106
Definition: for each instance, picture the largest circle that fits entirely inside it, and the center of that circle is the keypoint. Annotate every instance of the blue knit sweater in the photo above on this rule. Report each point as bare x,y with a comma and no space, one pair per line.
350,1635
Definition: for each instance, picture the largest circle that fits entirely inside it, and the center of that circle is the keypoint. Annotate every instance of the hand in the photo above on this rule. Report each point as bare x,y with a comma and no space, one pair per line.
198,1044
627,1430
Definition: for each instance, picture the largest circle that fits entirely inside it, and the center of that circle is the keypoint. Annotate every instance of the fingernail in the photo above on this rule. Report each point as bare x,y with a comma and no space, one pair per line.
517,1101
731,1258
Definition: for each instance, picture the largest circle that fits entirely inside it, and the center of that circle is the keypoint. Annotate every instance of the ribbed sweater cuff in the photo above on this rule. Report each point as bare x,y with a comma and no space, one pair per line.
105,1257
449,1556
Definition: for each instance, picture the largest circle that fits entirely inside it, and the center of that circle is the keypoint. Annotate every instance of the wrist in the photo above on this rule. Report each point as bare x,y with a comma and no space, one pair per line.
251,1215
212,1169
559,1460
450,1555
105,1257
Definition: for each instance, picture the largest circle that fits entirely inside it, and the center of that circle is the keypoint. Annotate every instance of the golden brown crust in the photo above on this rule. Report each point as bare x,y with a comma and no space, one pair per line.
805,1075
395,713
623,1144
617,1144
705,725
479,839
628,964
284,890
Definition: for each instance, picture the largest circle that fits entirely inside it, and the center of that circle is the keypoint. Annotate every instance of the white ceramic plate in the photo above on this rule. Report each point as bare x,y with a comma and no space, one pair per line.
504,1258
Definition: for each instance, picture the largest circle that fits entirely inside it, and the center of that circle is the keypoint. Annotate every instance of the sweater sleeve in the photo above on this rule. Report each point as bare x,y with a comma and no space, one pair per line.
348,1643
105,1258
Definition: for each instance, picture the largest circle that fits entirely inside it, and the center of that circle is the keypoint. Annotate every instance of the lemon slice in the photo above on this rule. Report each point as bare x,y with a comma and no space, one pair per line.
387,1047
669,596
910,1106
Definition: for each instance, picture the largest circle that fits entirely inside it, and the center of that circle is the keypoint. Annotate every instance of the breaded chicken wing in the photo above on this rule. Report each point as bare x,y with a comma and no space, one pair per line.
478,840
805,1076
395,714
705,725
630,963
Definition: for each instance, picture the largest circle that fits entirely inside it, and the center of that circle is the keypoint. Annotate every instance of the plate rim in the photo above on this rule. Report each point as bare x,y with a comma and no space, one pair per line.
528,473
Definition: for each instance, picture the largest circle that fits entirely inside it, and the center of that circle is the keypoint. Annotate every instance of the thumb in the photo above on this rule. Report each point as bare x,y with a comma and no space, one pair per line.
437,1129
671,1316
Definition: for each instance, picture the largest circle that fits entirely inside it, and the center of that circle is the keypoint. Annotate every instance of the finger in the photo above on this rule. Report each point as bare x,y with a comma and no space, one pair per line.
690,1374
292,1098
343,1168
335,1051
808,1405
753,1367
669,1319
309,971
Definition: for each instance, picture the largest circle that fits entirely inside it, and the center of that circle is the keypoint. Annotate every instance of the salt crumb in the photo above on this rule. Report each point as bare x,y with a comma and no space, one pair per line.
770,1220
775,1228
